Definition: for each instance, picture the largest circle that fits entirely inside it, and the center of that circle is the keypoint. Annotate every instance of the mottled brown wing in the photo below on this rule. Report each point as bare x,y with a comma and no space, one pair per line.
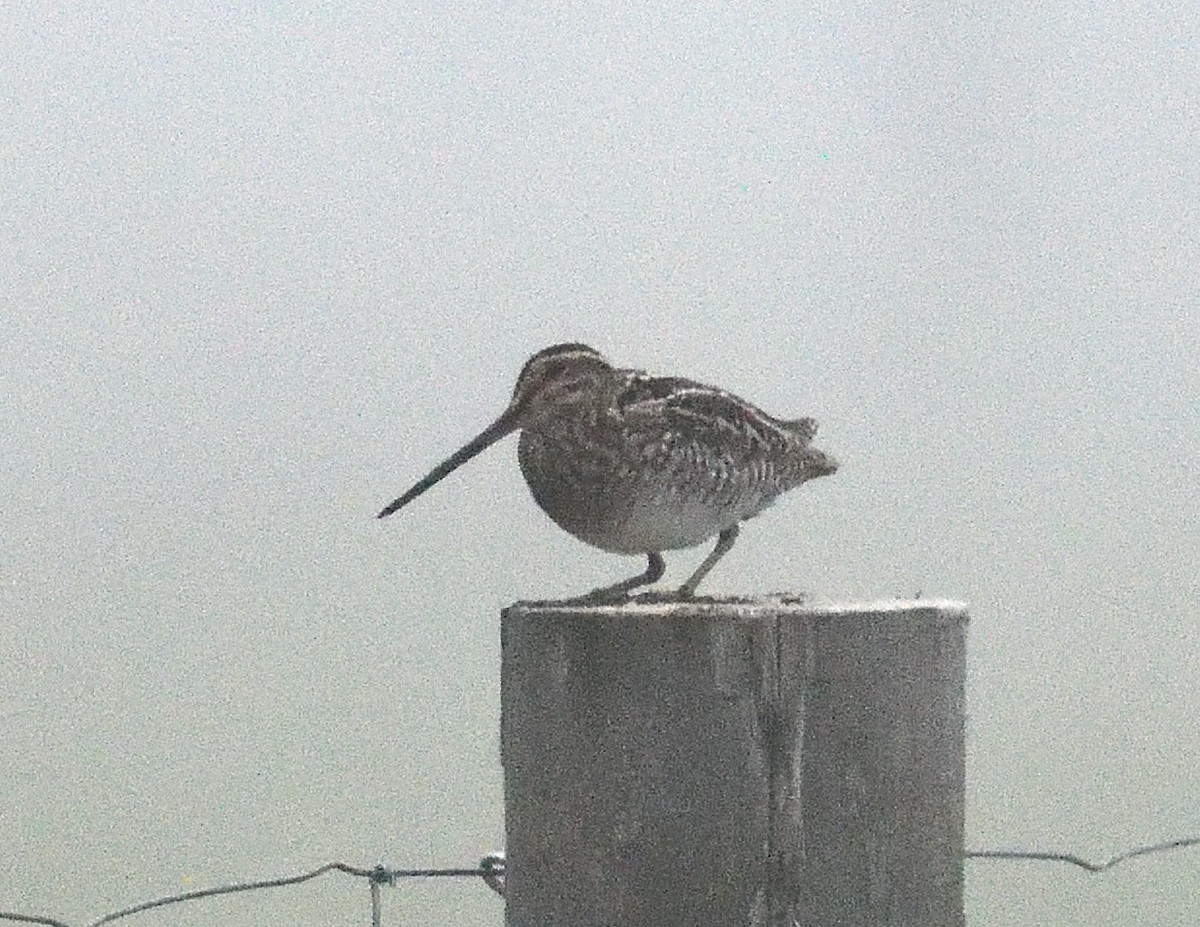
709,416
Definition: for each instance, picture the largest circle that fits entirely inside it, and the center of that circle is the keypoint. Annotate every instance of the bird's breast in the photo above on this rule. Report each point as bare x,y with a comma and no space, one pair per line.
628,496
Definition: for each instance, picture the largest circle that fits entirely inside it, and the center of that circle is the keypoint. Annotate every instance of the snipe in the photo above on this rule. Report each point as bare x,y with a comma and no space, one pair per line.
637,464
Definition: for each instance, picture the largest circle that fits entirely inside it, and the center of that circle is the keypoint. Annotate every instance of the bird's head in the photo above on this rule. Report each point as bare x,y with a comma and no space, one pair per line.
557,378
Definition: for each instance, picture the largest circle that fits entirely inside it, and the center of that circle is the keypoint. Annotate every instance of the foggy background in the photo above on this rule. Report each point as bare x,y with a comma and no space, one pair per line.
263,265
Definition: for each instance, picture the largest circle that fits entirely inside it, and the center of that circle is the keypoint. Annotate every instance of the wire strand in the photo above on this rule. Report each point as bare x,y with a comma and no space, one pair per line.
491,871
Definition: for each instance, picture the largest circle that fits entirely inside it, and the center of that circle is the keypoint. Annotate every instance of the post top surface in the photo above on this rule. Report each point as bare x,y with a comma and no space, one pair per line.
744,607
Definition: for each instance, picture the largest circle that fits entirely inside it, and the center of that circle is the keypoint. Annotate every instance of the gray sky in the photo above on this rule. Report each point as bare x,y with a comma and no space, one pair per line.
262,266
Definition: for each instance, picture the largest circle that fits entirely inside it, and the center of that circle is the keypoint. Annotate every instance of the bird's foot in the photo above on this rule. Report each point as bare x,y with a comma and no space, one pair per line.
603,596
606,595
666,596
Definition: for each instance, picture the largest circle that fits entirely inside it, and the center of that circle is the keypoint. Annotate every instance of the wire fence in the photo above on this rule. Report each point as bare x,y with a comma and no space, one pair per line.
491,872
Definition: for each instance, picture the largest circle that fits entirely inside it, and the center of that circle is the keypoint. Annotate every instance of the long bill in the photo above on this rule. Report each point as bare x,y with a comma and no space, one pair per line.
502,426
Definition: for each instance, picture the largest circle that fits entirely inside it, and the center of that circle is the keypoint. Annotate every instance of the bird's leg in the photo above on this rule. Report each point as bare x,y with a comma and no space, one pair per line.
653,573
724,541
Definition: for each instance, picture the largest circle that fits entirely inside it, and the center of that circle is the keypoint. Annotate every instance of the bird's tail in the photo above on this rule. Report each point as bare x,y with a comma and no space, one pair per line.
818,463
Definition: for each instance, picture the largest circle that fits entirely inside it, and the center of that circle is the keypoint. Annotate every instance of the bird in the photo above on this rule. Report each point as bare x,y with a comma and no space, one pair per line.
633,463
